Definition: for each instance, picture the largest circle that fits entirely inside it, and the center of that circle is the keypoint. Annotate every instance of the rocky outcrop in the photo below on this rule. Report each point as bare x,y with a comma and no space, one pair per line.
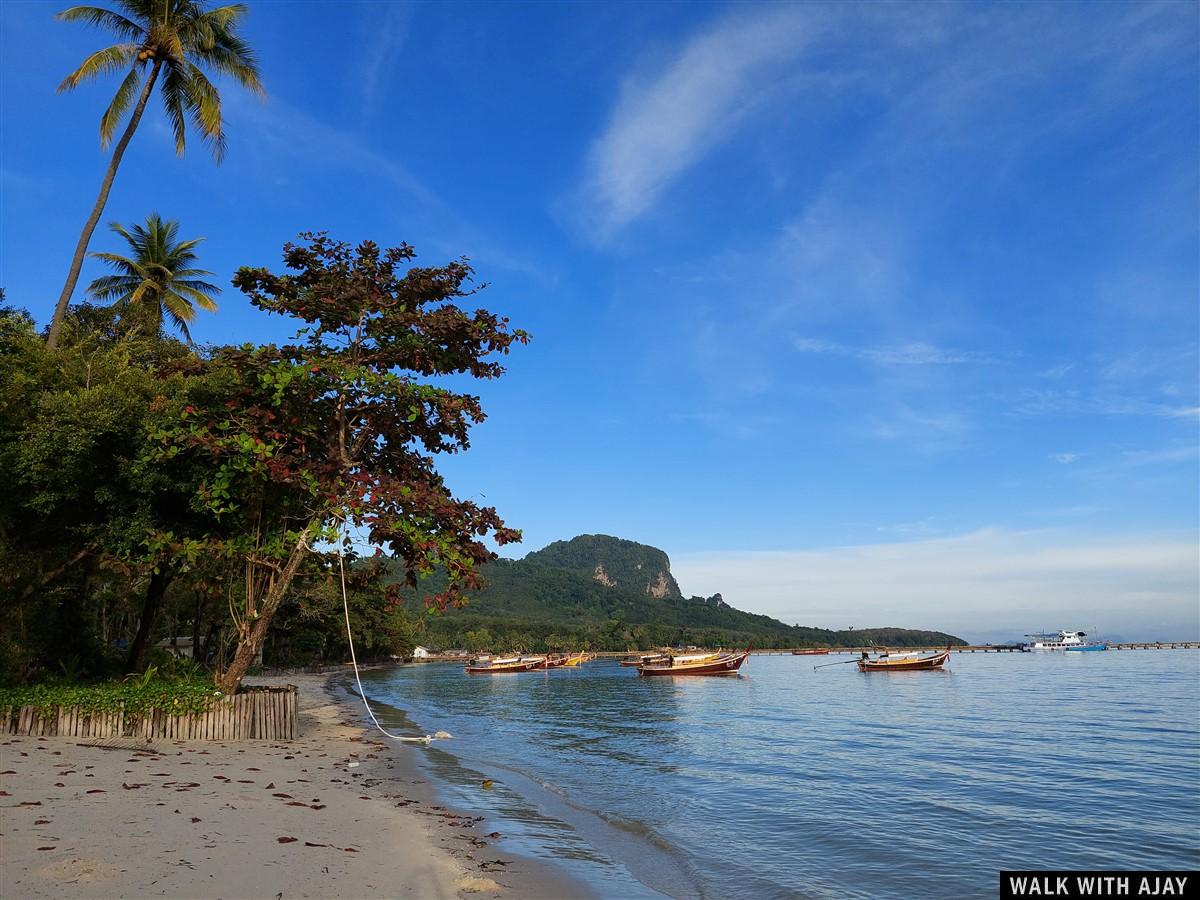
660,587
614,563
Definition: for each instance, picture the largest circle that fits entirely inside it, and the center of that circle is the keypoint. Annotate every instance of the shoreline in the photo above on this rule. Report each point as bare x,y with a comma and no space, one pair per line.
610,855
339,812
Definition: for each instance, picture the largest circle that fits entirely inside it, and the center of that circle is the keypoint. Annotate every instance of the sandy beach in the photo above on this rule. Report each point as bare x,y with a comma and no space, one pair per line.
340,812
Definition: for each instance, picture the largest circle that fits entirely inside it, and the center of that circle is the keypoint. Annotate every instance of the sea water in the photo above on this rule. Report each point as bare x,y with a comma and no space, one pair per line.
790,781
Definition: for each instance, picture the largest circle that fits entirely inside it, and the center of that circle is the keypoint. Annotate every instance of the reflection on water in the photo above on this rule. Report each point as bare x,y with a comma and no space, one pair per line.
791,781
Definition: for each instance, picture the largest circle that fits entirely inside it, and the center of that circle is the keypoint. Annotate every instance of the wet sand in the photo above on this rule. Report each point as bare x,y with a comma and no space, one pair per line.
340,812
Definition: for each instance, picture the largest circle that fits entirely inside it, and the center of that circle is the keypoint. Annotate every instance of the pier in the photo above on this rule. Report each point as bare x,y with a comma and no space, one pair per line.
978,648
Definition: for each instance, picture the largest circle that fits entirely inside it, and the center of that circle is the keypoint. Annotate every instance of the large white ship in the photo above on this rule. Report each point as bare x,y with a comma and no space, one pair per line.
1062,640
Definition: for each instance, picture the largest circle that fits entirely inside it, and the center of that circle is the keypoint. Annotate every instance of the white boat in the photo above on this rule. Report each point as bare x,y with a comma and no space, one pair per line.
1062,640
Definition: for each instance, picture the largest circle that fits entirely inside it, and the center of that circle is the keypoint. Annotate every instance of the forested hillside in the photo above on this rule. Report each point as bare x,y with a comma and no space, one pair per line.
607,593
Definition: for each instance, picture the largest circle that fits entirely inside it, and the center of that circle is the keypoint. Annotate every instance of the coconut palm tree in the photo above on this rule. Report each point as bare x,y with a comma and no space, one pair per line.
157,281
164,42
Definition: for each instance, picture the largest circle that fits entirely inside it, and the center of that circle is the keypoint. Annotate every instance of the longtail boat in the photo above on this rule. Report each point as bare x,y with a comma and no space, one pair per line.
902,662
645,659
558,660
485,665
697,664
815,652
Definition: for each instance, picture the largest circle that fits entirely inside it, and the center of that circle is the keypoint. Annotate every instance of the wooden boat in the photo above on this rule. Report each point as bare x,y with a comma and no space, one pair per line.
815,652
485,665
697,664
644,660
902,662
558,660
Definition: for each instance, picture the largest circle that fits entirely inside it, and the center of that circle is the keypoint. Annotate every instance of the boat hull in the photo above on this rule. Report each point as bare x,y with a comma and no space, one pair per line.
810,653
723,665
507,668
904,665
1085,648
642,661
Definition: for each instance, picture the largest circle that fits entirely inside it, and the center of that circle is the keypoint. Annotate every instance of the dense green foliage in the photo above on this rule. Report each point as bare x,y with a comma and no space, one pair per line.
552,600
156,490
135,696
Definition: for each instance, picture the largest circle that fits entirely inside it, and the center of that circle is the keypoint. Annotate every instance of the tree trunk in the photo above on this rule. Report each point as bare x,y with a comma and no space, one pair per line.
60,309
249,645
159,582
197,613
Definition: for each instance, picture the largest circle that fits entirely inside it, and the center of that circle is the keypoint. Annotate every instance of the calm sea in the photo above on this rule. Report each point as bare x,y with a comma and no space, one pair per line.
795,782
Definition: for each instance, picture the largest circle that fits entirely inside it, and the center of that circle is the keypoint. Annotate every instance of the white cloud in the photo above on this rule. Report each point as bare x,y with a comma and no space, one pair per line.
1065,458
983,583
662,127
386,27
916,353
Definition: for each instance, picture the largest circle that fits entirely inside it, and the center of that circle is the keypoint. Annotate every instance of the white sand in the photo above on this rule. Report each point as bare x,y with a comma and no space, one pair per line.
242,819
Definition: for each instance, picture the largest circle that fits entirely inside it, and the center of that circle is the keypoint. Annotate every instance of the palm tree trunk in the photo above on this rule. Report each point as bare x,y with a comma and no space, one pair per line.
60,309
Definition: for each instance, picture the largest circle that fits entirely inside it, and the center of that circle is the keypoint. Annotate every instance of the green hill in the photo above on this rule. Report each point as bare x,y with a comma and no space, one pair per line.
605,593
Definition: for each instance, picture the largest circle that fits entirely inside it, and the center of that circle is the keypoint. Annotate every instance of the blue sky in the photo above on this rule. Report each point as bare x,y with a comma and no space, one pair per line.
865,313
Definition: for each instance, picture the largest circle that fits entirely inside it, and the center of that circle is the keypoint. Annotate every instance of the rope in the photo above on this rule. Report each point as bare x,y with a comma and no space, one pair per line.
424,739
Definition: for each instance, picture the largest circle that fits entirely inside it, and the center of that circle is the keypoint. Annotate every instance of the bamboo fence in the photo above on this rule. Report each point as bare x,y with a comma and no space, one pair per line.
261,713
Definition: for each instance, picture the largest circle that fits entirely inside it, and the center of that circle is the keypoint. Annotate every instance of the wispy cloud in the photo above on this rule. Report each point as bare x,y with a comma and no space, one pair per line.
925,431
283,132
663,125
1064,458
916,353
386,27
984,581
1162,456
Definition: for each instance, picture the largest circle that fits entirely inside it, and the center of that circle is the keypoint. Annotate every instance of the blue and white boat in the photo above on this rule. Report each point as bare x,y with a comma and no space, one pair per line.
1072,641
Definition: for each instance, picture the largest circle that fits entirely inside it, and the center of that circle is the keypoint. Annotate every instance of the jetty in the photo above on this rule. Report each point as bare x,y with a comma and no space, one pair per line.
983,648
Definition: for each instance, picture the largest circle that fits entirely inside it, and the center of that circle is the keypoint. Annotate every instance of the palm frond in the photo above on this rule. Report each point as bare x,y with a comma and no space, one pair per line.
183,274
175,100
142,10
103,18
205,108
180,312
198,297
120,103
216,44
112,287
123,263
118,56
140,292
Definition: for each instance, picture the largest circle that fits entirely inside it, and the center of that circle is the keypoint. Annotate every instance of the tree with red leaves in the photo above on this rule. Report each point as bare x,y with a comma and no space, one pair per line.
290,446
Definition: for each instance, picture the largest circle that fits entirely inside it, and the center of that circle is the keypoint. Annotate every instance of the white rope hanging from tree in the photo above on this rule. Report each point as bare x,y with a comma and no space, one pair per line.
424,739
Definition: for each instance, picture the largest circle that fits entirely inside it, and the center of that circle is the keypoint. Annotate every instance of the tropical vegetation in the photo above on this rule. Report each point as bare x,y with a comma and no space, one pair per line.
156,486
171,44
158,281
